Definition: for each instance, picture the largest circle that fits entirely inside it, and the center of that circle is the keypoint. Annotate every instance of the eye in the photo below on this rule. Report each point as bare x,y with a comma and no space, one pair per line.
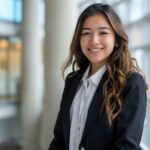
103,33
85,33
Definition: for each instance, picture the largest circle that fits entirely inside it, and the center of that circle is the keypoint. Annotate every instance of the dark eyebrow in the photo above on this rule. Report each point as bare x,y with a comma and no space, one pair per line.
107,28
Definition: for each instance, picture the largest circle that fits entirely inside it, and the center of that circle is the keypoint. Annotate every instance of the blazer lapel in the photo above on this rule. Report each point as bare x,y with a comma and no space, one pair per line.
95,107
75,81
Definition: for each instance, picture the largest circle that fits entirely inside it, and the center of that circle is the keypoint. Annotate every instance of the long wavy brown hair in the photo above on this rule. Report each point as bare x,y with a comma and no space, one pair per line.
119,64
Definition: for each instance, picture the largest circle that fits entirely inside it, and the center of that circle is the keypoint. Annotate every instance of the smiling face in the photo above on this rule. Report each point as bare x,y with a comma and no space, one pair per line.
97,40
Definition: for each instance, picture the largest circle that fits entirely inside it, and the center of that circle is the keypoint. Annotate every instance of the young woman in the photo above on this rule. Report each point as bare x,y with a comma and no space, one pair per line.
104,100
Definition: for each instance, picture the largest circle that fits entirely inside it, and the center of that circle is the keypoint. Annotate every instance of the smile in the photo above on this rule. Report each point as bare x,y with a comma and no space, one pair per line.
95,49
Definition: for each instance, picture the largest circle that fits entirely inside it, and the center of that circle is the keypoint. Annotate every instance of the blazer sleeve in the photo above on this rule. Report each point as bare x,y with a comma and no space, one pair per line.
129,125
58,142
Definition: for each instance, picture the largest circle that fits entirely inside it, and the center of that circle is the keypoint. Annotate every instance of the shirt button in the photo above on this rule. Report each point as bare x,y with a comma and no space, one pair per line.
79,128
82,148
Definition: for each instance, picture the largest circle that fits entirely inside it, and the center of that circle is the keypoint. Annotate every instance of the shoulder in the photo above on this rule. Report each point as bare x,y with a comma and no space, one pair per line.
70,78
75,74
135,78
135,83
71,74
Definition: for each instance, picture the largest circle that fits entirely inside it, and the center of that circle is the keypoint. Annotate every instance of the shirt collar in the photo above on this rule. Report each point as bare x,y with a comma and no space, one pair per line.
95,78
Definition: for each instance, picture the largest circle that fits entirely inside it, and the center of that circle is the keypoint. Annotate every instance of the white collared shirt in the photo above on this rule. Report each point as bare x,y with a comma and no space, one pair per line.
80,105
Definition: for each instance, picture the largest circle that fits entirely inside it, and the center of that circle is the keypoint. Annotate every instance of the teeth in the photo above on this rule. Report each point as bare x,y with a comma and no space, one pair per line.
94,50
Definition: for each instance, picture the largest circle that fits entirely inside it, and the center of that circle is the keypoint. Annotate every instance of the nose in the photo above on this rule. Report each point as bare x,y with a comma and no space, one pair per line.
94,38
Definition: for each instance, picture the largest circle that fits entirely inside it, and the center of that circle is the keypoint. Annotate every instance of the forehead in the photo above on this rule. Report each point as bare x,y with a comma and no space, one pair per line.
97,20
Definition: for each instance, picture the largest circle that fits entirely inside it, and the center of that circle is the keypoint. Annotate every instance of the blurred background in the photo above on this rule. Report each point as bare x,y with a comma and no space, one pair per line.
34,42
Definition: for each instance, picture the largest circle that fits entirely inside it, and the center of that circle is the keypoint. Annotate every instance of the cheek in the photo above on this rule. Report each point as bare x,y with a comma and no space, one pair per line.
111,43
83,43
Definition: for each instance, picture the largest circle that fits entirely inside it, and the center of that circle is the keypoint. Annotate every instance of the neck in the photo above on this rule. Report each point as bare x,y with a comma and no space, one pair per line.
94,68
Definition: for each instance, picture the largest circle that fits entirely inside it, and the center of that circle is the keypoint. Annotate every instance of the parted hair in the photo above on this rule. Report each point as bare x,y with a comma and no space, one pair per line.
120,62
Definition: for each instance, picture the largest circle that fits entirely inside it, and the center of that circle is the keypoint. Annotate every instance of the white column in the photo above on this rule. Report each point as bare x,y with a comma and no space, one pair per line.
31,74
60,22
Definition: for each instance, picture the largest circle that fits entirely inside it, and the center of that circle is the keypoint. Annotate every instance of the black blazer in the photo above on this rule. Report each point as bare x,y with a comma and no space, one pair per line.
126,131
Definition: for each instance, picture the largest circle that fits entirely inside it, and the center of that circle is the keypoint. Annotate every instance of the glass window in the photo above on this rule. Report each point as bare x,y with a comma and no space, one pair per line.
148,6
3,67
42,12
122,11
137,9
142,56
11,10
138,34
6,9
138,55
109,1
10,67
14,67
18,11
